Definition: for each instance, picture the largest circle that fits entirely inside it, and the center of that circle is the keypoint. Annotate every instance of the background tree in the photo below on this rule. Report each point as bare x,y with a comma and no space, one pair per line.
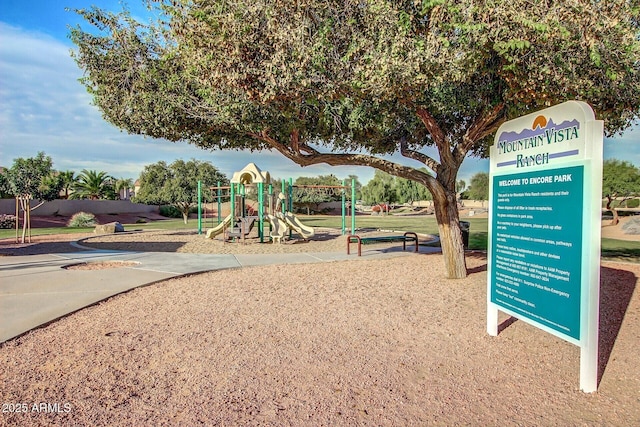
93,185
68,181
479,187
380,189
620,182
358,185
122,187
343,82
312,197
32,178
408,191
4,184
177,184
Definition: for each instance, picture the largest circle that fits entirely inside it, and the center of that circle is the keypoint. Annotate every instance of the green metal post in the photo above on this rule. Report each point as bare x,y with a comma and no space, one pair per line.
199,207
283,203
219,203
344,210
233,201
261,211
242,190
271,207
353,206
290,195
290,202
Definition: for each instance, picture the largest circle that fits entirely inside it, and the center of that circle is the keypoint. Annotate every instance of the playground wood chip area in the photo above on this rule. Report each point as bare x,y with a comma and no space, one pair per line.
359,342
325,240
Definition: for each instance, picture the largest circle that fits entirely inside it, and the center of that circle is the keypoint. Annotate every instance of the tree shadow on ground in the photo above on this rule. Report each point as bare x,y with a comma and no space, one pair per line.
616,290
38,248
136,246
477,255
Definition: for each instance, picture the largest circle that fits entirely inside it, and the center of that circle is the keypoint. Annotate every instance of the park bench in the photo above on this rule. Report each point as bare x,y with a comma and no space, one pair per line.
406,237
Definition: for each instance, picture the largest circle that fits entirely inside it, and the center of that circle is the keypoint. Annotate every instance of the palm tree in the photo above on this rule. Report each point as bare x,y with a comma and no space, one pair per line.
93,185
122,185
68,181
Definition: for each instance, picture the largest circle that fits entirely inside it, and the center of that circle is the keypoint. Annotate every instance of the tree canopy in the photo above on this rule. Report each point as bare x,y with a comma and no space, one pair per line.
33,177
341,83
177,184
29,179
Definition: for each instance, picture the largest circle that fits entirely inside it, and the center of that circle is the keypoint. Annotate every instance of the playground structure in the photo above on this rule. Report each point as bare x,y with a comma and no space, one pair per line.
294,222
212,232
271,210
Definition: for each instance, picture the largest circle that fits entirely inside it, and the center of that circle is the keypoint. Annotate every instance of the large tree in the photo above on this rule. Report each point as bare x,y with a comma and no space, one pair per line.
620,182
308,193
380,189
479,186
68,181
343,82
32,178
122,187
408,191
177,184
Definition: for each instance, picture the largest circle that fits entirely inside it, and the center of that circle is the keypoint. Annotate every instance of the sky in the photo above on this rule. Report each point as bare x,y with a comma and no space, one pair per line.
43,107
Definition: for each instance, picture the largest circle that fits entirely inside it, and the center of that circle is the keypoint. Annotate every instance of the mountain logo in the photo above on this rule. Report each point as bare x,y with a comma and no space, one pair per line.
539,122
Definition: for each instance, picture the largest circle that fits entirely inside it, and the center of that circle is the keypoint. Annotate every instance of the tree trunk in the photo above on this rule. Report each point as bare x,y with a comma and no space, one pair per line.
451,242
614,212
184,210
25,206
24,224
616,217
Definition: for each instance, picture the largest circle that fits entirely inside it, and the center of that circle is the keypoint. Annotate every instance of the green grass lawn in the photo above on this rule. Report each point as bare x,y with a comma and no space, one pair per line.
621,250
611,249
169,224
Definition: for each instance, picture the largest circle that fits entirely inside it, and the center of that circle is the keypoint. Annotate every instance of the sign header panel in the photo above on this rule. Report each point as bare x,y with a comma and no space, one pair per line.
543,139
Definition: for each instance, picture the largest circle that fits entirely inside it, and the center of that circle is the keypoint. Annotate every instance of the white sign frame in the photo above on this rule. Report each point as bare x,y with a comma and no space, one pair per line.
534,143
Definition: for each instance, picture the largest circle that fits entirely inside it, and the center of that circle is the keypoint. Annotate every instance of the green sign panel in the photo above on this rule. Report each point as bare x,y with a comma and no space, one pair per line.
536,248
544,226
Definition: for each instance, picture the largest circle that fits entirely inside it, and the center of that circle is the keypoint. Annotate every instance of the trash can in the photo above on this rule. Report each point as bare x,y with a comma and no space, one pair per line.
464,230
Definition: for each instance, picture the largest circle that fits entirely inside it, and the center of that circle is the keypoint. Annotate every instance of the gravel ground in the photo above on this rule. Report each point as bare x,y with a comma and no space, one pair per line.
343,343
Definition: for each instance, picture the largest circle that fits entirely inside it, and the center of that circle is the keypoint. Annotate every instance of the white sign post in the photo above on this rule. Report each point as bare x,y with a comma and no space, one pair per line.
544,228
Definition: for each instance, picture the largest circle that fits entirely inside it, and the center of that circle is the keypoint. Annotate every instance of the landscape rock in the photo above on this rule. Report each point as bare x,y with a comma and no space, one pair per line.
110,228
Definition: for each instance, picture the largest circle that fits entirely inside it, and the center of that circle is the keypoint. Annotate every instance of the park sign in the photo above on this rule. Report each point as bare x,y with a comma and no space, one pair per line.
545,190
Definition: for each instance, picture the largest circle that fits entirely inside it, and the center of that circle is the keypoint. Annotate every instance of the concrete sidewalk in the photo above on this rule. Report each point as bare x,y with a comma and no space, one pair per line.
36,289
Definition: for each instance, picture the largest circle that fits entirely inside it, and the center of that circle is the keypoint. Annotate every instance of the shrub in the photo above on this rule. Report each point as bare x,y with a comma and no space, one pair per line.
82,219
633,203
7,221
170,211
